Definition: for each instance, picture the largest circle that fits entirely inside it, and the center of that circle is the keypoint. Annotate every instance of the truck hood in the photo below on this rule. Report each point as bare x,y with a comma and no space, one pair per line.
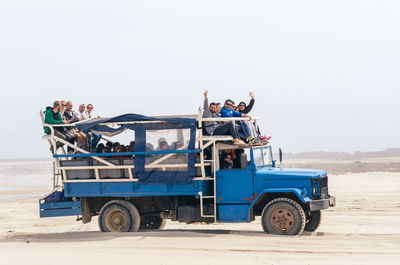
291,173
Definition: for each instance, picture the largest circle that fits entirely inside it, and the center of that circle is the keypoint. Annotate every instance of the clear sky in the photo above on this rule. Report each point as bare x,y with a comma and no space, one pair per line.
325,73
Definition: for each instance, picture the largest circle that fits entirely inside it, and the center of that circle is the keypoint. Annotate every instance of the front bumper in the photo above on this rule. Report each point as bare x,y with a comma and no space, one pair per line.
316,205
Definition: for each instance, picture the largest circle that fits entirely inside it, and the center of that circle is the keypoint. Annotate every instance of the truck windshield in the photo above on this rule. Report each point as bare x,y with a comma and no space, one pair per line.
262,156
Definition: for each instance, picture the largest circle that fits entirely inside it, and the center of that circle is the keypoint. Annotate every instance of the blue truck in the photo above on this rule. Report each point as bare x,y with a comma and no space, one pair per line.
185,181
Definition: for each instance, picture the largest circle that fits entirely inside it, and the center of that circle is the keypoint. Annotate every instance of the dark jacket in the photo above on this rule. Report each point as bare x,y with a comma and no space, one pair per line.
68,116
52,118
248,107
210,126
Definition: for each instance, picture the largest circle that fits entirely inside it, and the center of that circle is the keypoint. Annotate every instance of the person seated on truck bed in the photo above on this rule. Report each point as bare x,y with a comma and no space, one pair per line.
115,146
227,111
162,145
106,150
219,106
214,128
53,116
63,106
89,112
246,125
71,116
109,145
180,158
249,126
121,149
132,145
99,148
93,138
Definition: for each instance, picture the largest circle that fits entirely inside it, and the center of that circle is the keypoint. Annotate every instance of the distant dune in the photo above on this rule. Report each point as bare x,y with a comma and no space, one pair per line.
341,162
332,162
391,152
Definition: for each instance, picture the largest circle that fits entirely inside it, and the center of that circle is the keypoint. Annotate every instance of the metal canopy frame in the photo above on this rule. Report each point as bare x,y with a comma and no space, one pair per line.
203,141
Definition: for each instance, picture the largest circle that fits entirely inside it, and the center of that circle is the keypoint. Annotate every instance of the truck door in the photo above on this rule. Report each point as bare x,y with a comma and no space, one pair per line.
235,186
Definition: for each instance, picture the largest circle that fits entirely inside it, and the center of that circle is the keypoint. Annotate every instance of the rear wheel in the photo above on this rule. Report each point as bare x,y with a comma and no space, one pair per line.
314,219
119,216
152,223
283,216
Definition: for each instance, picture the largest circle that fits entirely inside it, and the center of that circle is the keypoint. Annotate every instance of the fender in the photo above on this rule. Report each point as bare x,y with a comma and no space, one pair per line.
300,193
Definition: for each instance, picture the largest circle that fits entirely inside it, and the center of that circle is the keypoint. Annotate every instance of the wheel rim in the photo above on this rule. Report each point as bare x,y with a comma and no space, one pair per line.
116,220
282,220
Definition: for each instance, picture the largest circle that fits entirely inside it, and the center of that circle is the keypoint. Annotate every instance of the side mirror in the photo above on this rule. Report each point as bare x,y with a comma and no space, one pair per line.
280,155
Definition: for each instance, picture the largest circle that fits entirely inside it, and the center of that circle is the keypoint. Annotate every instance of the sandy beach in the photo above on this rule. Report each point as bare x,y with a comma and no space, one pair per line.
363,228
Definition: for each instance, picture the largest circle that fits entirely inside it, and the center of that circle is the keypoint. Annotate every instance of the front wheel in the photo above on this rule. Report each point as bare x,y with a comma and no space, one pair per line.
314,219
119,216
283,216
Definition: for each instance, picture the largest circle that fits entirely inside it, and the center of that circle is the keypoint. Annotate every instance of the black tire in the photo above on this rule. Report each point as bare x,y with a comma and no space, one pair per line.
119,216
283,216
152,223
86,214
314,219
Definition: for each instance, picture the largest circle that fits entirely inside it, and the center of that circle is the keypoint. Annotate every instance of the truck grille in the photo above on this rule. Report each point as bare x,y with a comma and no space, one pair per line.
323,185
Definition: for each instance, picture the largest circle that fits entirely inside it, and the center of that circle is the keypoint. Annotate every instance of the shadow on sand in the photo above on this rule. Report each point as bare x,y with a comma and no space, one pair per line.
100,236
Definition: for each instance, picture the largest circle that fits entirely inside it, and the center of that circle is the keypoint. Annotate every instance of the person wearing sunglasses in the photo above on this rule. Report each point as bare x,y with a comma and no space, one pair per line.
250,128
93,138
227,111
243,108
62,107
215,128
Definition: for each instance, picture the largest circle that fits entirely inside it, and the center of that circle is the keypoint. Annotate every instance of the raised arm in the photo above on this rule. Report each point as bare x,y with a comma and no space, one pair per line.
206,110
251,103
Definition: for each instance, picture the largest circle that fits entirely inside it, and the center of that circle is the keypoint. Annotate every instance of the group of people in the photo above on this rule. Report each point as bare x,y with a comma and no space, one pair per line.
232,158
115,147
62,113
243,132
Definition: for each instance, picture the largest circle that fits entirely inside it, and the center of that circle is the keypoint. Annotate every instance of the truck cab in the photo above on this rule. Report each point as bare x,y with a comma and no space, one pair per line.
261,188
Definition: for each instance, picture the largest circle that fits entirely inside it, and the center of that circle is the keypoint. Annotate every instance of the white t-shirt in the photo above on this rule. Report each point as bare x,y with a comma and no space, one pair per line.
91,115
82,115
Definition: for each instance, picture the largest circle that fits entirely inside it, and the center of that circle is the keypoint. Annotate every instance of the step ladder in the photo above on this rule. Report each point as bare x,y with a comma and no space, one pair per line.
57,176
211,141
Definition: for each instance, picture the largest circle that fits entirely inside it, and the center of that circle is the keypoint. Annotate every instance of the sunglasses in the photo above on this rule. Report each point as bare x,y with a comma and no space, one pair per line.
229,104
